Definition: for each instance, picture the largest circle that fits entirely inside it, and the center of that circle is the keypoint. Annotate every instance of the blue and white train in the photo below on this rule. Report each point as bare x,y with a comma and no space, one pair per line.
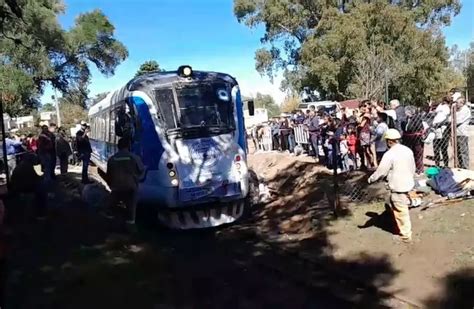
188,128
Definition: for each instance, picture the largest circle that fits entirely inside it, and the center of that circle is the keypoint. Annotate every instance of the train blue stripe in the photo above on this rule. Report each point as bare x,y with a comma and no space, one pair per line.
148,146
240,124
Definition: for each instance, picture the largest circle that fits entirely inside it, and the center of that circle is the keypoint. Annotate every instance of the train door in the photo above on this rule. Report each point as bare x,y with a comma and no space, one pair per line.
127,124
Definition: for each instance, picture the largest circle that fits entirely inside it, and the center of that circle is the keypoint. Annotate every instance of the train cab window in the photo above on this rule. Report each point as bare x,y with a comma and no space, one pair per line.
166,106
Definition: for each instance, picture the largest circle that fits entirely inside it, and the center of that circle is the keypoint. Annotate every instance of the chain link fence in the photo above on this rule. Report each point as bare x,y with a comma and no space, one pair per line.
436,141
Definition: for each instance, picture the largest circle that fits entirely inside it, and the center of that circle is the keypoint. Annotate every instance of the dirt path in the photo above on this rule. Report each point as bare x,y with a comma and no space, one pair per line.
439,261
76,260
276,258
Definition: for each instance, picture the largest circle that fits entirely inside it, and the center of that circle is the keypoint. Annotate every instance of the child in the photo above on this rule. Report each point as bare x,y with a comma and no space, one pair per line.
344,153
328,144
352,144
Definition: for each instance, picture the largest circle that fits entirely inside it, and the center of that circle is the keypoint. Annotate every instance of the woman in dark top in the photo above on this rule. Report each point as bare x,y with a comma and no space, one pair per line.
413,136
63,149
84,150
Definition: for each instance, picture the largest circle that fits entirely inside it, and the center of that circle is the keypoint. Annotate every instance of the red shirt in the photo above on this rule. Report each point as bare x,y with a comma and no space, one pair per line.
352,142
32,145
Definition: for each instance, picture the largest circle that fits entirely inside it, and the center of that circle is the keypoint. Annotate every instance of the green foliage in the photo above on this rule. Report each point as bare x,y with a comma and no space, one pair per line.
290,104
34,43
48,107
76,96
346,48
147,67
99,97
266,101
71,114
17,91
462,68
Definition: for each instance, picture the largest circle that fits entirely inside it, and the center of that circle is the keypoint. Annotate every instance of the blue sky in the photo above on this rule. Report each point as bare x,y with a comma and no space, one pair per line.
202,33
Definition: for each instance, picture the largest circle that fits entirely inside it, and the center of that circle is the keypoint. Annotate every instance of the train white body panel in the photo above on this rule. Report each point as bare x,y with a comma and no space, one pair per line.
201,169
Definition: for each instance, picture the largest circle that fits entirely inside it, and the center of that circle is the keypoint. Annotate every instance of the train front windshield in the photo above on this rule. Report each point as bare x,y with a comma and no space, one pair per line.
199,107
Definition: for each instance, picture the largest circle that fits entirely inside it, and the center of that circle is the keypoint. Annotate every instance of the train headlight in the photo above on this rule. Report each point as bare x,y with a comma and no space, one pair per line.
185,71
174,182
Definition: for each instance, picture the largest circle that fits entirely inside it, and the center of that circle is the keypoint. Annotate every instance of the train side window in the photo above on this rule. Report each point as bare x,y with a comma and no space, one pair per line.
107,126
112,127
94,128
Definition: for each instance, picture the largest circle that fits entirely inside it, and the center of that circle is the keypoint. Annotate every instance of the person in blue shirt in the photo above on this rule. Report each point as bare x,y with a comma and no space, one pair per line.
13,147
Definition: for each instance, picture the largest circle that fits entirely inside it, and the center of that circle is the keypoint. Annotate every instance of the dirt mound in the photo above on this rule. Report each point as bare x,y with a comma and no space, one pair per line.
302,192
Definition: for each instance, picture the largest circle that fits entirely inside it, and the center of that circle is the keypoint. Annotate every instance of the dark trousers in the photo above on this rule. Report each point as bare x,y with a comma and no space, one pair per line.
463,151
440,147
276,142
415,143
86,158
53,165
379,156
361,153
314,141
291,143
45,160
129,198
284,142
63,163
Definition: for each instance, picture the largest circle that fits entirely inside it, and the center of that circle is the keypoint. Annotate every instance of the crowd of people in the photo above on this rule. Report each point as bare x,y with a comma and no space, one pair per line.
49,147
52,146
356,140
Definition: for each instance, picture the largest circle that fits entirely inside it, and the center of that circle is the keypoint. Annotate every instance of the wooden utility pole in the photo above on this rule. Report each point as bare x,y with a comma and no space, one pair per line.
56,101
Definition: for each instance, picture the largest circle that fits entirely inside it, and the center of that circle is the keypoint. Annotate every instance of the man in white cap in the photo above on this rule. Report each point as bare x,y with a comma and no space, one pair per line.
398,165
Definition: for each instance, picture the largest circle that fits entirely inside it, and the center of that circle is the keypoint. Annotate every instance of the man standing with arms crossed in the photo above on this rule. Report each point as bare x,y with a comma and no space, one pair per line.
124,172
398,165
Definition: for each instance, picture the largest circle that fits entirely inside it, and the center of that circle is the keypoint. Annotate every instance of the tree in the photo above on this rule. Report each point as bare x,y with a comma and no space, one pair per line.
99,97
48,107
290,104
462,67
34,43
324,44
148,67
17,91
266,101
76,96
71,114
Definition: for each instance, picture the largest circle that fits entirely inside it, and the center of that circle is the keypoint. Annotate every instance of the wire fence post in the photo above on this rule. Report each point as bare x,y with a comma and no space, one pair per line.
335,163
4,146
454,141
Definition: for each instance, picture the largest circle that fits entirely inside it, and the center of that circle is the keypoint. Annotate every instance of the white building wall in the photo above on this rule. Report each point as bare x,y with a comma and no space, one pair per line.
260,116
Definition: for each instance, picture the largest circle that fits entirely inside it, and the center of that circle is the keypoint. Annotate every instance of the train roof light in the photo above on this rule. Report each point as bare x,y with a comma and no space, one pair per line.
185,71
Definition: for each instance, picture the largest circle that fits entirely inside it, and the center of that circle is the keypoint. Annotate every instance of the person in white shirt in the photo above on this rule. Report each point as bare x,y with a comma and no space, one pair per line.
463,117
442,132
380,143
398,165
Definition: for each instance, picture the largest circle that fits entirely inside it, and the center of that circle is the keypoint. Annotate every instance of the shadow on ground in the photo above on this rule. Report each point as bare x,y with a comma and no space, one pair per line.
457,293
274,258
